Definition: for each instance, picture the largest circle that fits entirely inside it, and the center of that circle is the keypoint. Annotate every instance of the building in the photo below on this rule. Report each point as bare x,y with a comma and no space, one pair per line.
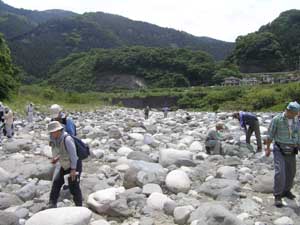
249,81
267,79
231,81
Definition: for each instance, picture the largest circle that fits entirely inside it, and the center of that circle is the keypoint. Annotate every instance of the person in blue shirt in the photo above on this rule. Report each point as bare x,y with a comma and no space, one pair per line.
58,115
250,123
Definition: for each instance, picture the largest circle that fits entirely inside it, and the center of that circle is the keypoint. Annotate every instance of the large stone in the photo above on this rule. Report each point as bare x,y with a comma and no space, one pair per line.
227,172
213,214
100,200
221,189
141,173
124,151
7,200
284,221
135,155
62,216
4,176
114,133
17,145
196,146
264,183
156,201
27,192
151,188
178,181
8,218
169,157
137,136
182,213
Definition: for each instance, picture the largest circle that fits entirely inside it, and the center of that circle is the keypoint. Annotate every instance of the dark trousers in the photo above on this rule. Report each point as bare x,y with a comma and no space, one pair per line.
74,186
285,170
256,130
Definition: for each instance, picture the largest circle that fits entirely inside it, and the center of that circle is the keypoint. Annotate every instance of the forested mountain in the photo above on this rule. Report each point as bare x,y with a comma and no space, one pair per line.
14,22
8,81
132,67
274,47
38,39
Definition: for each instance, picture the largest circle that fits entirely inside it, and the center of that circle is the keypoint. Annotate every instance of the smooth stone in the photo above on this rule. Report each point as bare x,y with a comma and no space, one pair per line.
178,181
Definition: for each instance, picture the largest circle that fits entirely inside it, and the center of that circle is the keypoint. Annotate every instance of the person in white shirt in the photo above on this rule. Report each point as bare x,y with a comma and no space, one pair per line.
30,111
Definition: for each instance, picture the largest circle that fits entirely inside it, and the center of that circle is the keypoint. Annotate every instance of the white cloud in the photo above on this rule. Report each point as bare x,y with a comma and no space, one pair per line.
220,19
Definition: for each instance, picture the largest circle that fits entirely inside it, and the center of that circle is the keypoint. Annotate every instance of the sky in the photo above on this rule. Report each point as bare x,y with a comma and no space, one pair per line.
220,19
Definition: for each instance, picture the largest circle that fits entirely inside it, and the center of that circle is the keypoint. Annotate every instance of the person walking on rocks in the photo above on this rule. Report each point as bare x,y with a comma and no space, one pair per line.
64,152
30,111
213,144
250,123
284,131
146,112
165,110
8,120
58,115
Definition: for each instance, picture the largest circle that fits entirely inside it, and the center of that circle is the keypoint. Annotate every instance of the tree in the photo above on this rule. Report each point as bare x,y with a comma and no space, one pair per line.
8,83
259,52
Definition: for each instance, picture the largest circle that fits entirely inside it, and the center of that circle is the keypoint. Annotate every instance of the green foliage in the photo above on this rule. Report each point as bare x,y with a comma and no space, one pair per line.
261,99
39,39
8,82
275,47
259,52
158,67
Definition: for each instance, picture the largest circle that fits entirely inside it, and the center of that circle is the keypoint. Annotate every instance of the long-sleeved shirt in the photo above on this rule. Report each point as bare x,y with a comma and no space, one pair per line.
247,118
9,117
280,131
212,138
65,148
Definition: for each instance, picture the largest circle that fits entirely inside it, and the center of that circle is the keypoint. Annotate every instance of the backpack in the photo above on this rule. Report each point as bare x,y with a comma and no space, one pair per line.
82,149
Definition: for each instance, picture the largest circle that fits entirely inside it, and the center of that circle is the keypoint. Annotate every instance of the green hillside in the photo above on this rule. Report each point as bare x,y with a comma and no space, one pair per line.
274,47
8,83
142,67
38,39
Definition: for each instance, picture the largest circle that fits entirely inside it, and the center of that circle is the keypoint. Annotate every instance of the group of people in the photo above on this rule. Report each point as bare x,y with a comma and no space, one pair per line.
283,132
165,111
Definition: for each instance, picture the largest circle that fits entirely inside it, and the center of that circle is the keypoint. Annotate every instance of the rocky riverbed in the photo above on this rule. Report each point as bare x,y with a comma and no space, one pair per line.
144,173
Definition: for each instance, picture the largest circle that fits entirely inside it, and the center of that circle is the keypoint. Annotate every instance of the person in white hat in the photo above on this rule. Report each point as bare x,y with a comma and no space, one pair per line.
57,114
64,152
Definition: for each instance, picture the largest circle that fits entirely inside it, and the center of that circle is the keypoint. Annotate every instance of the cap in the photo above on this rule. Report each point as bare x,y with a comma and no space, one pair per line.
293,106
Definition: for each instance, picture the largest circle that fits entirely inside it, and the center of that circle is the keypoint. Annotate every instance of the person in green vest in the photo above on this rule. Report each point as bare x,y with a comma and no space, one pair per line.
213,144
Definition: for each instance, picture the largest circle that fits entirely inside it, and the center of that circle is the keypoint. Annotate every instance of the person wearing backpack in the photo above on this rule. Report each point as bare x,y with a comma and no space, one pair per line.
57,114
64,151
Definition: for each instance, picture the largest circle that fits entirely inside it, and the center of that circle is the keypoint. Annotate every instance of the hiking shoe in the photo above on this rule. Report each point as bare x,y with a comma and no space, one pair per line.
289,195
278,202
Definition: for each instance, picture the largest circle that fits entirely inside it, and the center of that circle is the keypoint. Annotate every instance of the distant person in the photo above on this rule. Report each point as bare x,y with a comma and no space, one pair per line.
146,112
9,121
213,144
188,116
250,123
30,112
64,152
284,131
165,111
58,115
1,112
